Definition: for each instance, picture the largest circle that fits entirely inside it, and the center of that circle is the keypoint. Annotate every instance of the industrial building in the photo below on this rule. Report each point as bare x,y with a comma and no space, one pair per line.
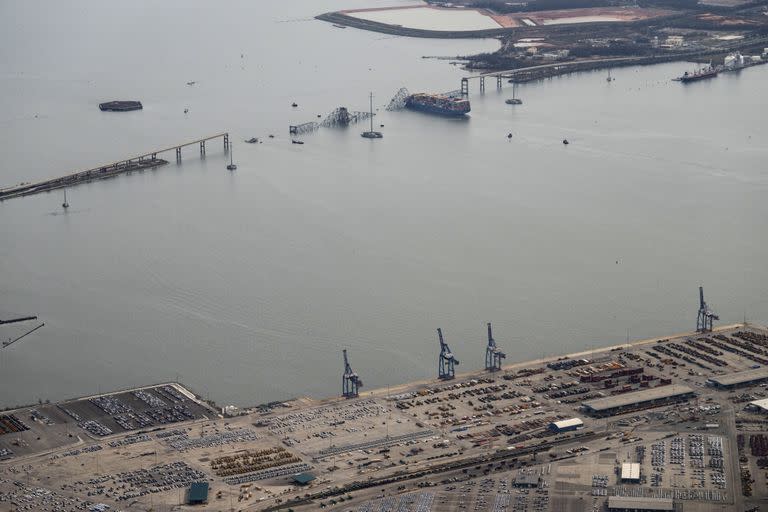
622,504
198,493
630,472
759,405
303,478
738,379
612,405
566,425
527,480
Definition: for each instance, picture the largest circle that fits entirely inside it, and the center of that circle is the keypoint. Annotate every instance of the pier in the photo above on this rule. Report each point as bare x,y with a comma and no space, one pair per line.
543,71
559,425
147,160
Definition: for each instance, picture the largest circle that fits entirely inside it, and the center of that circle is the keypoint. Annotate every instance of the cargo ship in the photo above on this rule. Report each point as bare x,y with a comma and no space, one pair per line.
442,104
701,74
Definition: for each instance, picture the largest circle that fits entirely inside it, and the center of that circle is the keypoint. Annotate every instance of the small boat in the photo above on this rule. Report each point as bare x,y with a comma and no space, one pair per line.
65,204
509,135
609,79
339,26
294,104
231,166
186,110
565,141
191,83
370,134
271,136
294,141
252,140
319,116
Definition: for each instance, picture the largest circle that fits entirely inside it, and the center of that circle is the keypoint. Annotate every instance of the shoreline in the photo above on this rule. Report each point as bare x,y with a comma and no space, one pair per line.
572,33
387,391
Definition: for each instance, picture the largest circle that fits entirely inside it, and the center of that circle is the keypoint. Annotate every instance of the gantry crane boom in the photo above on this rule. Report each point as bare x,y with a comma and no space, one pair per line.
350,381
493,355
706,317
447,361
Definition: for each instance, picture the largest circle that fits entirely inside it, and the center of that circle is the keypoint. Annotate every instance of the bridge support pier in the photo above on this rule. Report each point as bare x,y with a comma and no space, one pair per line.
226,141
482,84
464,87
202,148
498,82
154,156
178,154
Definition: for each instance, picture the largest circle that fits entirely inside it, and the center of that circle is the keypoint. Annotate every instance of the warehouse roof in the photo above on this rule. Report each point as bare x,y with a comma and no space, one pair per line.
630,471
760,404
637,397
733,379
198,492
620,502
303,478
527,479
573,422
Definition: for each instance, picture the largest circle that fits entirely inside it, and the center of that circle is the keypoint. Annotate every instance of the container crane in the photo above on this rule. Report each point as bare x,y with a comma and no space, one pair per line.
447,361
350,381
493,355
706,316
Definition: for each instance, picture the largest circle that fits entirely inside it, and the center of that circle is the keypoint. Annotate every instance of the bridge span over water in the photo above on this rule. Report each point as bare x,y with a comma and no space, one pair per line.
540,71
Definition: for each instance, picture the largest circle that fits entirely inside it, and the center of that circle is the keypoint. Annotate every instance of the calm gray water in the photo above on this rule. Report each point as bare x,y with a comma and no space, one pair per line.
247,285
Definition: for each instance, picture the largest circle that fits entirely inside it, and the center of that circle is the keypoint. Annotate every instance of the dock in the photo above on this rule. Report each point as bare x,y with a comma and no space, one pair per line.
141,162
562,426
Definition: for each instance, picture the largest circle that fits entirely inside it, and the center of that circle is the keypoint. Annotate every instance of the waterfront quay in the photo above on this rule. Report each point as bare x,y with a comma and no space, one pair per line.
675,423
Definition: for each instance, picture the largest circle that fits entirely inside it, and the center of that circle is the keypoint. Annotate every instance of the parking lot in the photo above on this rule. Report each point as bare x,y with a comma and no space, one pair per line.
132,448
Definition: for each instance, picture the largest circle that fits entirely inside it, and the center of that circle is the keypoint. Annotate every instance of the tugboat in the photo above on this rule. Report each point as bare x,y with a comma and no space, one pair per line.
370,134
231,166
514,100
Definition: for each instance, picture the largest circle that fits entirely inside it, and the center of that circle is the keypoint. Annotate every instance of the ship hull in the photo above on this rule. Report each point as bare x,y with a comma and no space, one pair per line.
697,78
120,106
433,109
